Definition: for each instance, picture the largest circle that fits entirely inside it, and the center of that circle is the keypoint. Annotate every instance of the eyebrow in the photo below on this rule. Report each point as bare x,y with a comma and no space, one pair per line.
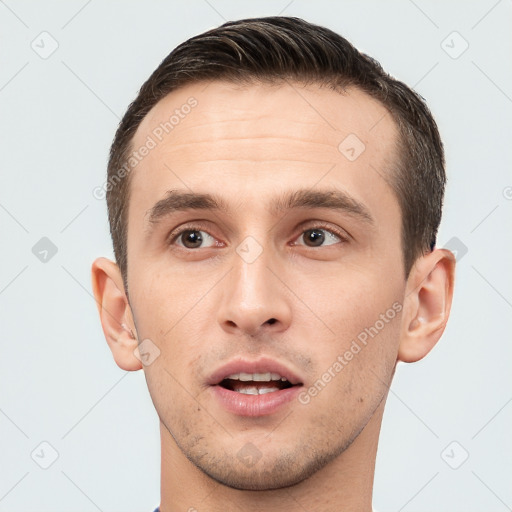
331,199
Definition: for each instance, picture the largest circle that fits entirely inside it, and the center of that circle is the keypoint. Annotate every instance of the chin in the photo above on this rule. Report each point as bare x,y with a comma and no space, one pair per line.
286,470
257,480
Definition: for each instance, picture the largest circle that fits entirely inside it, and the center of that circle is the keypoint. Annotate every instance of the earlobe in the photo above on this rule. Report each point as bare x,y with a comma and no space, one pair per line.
427,304
115,314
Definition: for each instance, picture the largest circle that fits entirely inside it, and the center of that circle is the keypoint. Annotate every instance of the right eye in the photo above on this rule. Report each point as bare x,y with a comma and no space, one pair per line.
192,238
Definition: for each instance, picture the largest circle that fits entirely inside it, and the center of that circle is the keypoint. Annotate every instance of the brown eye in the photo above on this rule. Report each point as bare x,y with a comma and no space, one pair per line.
314,237
318,237
191,239
194,239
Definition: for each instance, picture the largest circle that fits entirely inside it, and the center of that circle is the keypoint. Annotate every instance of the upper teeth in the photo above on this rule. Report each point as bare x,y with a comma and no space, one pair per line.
258,377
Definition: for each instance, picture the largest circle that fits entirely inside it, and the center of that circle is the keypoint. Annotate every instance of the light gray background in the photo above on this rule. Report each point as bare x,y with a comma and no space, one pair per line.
58,382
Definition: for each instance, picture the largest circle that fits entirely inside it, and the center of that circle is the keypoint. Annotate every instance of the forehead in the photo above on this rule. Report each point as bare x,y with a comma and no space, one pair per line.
247,141
283,109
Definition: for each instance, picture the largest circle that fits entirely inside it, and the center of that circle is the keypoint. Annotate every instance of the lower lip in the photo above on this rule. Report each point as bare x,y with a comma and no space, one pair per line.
254,405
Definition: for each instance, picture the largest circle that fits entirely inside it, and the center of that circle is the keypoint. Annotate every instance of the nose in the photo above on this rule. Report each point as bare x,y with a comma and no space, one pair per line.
254,300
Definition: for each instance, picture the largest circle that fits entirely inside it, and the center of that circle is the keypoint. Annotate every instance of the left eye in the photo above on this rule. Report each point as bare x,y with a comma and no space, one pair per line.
316,237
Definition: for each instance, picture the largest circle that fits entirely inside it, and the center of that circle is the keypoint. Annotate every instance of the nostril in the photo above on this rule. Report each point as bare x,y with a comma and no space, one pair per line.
271,321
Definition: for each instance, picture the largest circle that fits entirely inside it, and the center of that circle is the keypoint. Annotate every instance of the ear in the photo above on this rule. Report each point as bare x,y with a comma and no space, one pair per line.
115,313
427,304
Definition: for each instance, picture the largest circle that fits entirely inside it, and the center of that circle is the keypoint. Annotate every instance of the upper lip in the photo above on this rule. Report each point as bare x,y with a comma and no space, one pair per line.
261,365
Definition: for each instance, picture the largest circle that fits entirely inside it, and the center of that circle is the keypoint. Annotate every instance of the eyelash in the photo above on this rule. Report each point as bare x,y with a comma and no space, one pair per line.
174,235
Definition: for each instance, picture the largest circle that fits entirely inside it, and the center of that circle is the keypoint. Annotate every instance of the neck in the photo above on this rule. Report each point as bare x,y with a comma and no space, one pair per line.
345,484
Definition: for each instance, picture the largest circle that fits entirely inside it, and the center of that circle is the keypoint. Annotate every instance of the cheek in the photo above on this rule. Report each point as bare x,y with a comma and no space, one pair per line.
347,302
163,298
356,332
353,377
160,312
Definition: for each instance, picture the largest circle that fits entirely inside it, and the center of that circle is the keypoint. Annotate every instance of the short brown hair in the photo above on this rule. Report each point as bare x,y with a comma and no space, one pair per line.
275,49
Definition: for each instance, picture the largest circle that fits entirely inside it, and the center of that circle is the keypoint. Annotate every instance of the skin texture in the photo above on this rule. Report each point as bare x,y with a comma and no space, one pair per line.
202,307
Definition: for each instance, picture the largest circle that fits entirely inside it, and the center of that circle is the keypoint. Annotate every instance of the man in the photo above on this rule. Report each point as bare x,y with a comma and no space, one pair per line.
274,198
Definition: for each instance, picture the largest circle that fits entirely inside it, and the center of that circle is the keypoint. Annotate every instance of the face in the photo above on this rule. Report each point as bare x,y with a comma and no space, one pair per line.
266,272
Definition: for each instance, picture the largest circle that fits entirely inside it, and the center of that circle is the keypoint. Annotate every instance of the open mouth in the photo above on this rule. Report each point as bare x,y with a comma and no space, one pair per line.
255,383
254,388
